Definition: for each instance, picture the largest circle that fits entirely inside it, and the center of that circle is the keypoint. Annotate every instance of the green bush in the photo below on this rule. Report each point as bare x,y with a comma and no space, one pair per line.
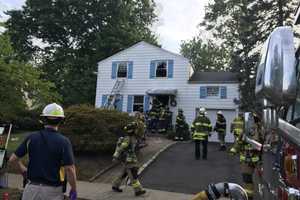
28,120
93,130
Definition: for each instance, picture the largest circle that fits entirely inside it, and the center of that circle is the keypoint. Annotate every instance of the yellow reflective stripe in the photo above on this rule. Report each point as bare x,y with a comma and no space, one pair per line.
200,134
136,184
202,124
62,174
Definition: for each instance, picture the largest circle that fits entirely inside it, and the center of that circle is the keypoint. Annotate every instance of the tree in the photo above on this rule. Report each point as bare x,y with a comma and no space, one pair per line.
243,26
21,86
76,35
205,55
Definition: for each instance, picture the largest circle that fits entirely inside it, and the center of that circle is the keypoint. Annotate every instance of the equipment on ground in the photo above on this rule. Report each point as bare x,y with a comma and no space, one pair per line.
219,190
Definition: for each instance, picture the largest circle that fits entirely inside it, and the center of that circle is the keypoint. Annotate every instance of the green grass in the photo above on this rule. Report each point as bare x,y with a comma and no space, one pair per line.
15,140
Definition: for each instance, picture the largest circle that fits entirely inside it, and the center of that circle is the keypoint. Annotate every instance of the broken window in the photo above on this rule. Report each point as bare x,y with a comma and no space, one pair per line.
161,69
122,70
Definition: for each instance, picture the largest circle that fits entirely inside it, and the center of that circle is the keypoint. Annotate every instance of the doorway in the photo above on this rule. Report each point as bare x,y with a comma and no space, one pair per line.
163,99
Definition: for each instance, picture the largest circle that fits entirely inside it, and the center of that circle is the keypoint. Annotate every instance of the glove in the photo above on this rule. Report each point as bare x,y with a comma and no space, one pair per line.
73,195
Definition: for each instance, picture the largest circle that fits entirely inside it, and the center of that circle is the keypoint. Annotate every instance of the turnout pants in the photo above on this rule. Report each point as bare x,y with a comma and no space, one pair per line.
204,148
41,192
221,137
247,175
132,174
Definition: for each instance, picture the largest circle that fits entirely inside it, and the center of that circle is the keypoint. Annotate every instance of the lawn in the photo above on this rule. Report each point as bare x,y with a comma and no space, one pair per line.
16,138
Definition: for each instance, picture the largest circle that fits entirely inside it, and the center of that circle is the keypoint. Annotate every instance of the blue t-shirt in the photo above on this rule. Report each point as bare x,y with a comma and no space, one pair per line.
48,152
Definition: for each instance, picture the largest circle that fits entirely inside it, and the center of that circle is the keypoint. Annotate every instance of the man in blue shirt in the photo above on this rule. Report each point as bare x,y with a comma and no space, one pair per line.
50,159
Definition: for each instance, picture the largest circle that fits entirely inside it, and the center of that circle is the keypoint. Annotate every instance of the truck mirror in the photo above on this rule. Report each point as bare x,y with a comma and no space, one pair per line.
270,119
248,123
276,73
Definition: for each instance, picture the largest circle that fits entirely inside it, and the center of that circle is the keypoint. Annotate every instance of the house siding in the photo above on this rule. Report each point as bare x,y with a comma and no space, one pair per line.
188,96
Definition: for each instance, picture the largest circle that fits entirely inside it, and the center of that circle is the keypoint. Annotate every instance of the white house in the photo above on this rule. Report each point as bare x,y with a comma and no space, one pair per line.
137,74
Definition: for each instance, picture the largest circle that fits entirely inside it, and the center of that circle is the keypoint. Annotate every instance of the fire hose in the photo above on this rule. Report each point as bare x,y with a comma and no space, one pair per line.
216,191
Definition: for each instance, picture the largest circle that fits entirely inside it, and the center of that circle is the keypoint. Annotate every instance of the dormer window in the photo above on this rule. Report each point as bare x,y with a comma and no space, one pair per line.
122,70
161,69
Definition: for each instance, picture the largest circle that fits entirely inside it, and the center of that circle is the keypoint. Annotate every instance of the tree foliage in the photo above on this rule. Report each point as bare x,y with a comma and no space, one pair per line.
243,26
205,55
76,35
21,85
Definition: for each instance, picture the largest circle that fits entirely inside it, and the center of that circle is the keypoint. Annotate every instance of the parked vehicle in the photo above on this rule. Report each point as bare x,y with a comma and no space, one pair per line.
277,85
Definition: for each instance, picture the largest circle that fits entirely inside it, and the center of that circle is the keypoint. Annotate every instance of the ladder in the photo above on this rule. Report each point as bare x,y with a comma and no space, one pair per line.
115,93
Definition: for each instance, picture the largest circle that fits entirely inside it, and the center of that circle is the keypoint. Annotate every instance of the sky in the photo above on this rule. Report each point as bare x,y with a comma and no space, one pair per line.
177,20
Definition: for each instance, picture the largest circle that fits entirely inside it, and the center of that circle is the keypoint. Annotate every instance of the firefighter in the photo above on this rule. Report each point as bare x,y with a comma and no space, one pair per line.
126,153
153,114
237,126
201,128
181,126
141,126
220,128
162,120
249,156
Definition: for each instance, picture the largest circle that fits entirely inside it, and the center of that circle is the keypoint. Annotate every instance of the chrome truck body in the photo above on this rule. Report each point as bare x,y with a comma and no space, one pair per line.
277,85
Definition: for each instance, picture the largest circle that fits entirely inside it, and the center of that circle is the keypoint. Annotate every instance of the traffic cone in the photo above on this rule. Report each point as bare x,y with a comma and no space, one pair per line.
5,196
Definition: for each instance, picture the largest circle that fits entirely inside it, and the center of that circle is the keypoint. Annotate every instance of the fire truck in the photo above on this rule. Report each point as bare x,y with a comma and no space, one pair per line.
277,87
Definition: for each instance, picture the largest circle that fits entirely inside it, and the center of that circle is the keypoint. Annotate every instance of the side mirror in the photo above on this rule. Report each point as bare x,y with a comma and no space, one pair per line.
276,74
248,123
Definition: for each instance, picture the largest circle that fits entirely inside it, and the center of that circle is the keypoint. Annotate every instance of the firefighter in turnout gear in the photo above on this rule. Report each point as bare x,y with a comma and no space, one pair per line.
181,127
126,153
237,128
249,156
162,120
201,128
220,128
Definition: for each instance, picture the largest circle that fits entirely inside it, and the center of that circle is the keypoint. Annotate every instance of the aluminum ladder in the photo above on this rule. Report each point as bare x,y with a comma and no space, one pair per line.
115,93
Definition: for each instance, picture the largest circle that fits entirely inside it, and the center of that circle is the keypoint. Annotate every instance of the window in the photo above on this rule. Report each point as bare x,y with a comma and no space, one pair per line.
138,103
161,69
212,91
122,70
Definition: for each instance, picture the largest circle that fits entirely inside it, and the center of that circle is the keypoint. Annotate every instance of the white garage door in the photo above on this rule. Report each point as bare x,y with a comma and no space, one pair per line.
229,116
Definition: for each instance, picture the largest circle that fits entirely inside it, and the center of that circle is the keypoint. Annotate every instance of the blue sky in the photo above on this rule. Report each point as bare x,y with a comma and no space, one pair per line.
178,19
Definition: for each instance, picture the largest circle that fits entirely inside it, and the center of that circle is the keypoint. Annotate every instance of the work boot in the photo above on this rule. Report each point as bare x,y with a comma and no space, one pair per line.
116,189
139,193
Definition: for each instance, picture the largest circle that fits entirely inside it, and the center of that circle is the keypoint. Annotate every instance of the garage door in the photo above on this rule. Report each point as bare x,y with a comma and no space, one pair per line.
229,116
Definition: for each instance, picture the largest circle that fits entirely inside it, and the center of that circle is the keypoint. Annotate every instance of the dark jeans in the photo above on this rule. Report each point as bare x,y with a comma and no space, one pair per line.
204,148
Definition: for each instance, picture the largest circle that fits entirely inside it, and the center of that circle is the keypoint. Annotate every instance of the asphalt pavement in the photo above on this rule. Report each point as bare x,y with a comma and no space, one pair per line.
176,169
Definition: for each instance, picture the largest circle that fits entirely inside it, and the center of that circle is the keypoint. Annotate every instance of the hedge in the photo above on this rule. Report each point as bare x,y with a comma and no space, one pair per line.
93,130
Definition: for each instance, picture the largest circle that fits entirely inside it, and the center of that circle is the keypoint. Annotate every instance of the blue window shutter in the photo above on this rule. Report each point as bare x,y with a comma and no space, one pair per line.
104,99
130,103
223,92
170,68
146,103
119,104
203,92
114,70
130,70
152,69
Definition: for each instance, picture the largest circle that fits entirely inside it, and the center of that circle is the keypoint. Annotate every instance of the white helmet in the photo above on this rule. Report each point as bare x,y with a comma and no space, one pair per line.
202,110
53,110
220,112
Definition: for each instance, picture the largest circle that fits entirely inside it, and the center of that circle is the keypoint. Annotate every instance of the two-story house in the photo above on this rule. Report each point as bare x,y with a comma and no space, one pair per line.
143,71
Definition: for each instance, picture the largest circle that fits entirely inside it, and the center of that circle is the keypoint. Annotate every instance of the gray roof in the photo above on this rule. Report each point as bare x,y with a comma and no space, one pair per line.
214,77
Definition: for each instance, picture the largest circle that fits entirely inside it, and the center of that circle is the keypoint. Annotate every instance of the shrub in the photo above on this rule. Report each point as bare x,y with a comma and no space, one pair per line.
28,120
93,130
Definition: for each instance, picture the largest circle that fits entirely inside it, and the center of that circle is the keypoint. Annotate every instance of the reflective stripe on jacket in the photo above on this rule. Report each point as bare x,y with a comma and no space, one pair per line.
201,127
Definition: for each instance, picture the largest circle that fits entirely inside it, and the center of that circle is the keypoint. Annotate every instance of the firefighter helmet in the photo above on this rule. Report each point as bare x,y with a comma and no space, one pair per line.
220,112
53,110
202,110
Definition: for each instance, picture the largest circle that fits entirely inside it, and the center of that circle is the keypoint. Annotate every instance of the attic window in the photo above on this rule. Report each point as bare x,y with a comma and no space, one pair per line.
122,70
161,69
